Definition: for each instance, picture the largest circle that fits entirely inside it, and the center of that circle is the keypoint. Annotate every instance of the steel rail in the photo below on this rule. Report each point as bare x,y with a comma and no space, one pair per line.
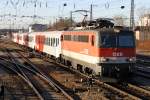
27,81
40,74
37,73
47,78
24,75
125,94
97,81
141,90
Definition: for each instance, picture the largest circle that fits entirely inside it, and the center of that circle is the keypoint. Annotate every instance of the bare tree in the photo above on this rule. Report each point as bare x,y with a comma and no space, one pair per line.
61,24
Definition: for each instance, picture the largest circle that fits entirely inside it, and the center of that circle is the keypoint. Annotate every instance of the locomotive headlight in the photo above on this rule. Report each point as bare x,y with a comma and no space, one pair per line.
104,59
132,59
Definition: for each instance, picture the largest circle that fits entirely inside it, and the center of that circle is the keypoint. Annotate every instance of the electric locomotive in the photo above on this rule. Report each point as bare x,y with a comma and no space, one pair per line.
105,52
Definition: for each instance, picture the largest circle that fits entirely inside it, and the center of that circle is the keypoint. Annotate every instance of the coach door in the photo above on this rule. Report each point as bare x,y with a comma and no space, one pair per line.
39,42
25,39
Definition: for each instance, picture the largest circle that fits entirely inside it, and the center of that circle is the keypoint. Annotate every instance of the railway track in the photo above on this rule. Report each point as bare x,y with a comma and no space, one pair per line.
134,90
142,66
77,88
42,86
109,91
104,90
14,87
9,67
143,59
142,71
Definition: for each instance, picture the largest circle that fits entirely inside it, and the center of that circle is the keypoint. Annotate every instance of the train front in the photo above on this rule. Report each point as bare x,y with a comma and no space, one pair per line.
117,53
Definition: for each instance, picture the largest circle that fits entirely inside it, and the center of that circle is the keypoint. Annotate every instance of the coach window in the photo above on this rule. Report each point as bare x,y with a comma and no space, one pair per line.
74,38
53,41
67,37
50,41
46,41
56,42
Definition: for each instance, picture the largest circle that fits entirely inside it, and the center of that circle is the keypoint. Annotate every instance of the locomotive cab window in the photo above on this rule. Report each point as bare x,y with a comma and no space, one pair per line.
108,40
126,41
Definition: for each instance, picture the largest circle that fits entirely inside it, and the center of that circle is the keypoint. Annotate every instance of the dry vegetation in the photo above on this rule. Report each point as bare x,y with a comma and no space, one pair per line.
60,24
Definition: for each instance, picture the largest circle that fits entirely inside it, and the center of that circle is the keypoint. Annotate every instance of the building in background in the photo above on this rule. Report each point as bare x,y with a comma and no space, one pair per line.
144,20
37,28
143,29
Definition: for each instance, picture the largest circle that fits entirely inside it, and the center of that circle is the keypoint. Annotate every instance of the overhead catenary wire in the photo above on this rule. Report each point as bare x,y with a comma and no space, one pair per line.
109,6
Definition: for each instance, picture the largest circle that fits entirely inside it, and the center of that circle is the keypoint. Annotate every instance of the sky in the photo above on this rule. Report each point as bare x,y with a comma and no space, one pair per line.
19,13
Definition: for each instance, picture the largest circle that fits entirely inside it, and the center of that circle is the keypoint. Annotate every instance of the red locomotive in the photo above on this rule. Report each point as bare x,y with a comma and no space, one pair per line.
103,52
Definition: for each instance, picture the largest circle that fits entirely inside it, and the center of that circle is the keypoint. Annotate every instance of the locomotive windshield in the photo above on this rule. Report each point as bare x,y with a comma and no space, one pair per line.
117,40
108,40
126,41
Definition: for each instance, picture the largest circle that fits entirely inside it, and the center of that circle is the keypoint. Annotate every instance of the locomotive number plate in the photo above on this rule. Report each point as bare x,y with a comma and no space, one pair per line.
117,54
